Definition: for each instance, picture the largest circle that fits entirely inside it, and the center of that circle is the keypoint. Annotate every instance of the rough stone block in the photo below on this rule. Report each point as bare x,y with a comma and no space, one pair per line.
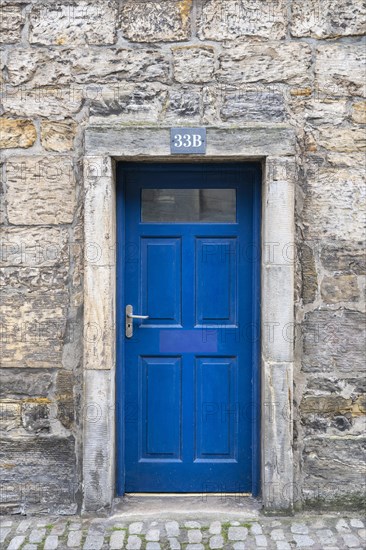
17,133
232,19
253,105
333,341
65,398
359,112
308,274
11,23
341,288
128,102
183,105
36,415
344,257
46,185
194,64
10,415
156,21
99,65
48,101
41,473
34,247
328,18
38,67
33,329
33,279
268,62
332,204
58,136
331,467
342,139
325,111
77,23
339,70
14,383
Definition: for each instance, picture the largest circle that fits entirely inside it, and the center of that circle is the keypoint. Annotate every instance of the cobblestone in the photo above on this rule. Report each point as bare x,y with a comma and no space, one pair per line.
303,531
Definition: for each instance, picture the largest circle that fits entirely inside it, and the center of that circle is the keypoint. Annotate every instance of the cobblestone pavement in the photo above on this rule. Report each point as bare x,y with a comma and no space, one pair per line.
323,532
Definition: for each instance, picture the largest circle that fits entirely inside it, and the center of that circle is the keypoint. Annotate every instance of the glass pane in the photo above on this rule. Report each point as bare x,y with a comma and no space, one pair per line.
189,205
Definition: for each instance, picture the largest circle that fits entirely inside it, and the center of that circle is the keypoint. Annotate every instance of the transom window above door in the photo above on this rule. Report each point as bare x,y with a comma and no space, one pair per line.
188,205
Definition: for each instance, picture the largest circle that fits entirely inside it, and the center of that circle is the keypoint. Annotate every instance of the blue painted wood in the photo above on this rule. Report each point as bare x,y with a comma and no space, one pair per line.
187,374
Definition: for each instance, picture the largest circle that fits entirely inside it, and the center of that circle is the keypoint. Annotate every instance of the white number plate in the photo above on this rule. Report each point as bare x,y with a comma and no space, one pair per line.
188,141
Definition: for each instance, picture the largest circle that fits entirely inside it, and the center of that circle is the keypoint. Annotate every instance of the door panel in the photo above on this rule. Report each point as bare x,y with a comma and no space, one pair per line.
216,397
187,371
161,280
216,262
160,404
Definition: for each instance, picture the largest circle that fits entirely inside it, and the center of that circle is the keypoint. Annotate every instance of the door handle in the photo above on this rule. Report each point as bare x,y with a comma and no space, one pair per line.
129,320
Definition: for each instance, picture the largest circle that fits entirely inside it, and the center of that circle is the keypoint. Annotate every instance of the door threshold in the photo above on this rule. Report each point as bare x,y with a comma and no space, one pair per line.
187,506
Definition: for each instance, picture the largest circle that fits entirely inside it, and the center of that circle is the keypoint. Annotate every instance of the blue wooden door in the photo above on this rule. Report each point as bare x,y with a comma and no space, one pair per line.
187,371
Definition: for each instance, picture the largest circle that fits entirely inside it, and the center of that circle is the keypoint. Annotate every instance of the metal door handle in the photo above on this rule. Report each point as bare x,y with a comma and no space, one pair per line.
129,320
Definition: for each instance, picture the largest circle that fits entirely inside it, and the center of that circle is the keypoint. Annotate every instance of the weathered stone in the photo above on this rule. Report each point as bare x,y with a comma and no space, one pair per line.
342,139
13,382
344,257
330,404
2,195
45,477
37,67
11,23
345,458
341,288
253,105
47,101
33,329
339,70
334,341
10,412
309,274
266,62
144,21
195,64
325,111
128,102
58,136
98,66
328,18
16,133
84,22
46,185
230,19
359,112
36,415
34,247
183,104
332,204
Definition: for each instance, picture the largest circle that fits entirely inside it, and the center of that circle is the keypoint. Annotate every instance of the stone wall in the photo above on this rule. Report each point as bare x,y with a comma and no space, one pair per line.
66,65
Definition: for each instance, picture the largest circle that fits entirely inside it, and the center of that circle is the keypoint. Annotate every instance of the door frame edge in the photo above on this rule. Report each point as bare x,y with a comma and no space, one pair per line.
275,147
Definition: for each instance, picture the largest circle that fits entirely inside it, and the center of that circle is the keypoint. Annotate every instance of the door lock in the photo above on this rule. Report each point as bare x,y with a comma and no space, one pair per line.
129,320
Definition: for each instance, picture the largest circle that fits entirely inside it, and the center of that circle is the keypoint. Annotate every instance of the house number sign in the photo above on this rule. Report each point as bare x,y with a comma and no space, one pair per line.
188,141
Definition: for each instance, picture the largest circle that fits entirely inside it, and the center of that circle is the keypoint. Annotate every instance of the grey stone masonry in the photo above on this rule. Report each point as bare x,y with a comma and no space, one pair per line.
278,81
317,531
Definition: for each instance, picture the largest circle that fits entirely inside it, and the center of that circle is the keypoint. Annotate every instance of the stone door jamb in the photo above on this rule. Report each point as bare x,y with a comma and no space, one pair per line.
275,146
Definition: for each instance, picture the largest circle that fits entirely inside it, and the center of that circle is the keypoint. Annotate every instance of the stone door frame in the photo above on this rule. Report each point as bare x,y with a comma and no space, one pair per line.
275,147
